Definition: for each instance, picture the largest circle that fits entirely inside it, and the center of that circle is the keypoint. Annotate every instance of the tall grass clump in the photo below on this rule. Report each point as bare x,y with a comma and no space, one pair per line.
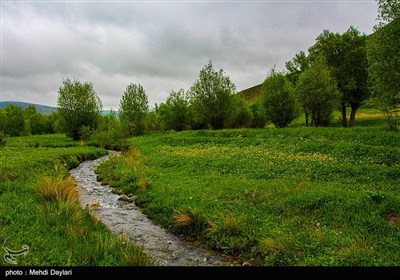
58,187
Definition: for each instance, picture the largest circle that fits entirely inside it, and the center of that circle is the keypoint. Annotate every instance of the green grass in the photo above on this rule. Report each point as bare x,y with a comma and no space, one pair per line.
294,196
39,207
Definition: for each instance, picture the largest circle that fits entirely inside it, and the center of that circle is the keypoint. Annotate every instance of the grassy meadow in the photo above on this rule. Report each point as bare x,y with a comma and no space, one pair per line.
39,207
276,197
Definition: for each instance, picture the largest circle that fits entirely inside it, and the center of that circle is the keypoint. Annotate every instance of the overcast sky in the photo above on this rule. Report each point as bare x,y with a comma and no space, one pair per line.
159,44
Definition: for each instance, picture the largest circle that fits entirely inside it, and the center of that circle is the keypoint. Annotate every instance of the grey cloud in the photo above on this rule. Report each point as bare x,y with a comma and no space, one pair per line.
163,46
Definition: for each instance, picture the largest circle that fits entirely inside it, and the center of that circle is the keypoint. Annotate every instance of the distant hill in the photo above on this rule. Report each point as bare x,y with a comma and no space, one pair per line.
107,112
252,94
43,109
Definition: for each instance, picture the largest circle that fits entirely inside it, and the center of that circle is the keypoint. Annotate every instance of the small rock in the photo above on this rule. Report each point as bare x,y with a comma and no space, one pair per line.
246,264
125,198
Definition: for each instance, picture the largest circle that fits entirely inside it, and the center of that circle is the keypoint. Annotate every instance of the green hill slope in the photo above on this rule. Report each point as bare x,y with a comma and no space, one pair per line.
252,94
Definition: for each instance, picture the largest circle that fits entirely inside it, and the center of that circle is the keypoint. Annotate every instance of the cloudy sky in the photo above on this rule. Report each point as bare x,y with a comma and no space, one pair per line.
159,44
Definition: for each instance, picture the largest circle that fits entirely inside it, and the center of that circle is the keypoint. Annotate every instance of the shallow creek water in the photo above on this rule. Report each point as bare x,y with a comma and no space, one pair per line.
123,217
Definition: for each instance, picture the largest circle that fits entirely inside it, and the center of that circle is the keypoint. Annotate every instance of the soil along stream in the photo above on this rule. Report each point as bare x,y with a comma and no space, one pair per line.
124,217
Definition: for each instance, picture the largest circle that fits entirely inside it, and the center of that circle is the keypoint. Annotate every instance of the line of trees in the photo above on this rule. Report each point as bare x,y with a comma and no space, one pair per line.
339,71
15,121
346,70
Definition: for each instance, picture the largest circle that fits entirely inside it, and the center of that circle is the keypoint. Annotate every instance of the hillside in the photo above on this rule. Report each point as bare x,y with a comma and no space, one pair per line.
43,109
252,94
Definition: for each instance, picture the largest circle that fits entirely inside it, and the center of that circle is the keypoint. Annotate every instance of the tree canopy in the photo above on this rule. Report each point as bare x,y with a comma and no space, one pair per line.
80,107
212,96
133,107
346,57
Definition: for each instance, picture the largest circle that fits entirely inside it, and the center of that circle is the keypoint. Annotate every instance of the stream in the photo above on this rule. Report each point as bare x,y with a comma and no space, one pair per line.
123,217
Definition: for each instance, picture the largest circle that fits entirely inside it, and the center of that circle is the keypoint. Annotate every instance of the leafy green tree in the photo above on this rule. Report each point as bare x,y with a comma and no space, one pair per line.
3,120
296,66
2,139
29,111
15,120
318,93
384,69
241,114
153,120
133,108
38,124
346,57
80,107
56,122
109,121
388,10
175,113
279,99
258,115
212,97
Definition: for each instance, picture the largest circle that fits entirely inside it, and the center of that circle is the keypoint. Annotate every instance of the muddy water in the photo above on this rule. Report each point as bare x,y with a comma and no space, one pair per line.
126,218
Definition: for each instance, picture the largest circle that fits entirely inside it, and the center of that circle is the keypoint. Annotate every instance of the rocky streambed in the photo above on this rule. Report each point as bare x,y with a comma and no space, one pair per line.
122,216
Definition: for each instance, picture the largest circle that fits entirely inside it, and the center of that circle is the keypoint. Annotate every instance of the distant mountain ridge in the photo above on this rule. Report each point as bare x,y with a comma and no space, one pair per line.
43,109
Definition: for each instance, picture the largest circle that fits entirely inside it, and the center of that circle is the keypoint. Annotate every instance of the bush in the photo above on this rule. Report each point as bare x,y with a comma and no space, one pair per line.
259,119
114,139
2,139
241,114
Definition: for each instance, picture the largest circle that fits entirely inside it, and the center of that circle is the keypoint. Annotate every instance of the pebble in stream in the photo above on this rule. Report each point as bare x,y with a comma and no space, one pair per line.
123,217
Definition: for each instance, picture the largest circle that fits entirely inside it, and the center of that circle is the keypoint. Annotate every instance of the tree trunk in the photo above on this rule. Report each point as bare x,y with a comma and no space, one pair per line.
344,117
353,115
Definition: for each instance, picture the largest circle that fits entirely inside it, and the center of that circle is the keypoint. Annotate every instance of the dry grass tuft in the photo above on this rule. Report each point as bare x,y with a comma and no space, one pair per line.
182,219
58,188
133,153
143,184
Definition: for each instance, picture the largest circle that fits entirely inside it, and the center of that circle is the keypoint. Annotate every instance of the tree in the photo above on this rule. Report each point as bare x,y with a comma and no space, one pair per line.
175,113
153,120
259,119
56,122
109,121
241,114
30,110
15,120
133,108
296,66
279,99
388,10
346,57
384,70
38,124
318,93
79,106
212,96
3,120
